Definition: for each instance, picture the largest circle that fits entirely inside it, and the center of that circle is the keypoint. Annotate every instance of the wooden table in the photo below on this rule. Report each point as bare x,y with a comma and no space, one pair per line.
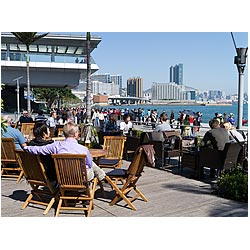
97,153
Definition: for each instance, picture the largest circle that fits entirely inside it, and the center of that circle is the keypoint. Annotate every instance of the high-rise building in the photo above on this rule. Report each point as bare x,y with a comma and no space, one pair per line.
108,78
167,91
105,78
101,88
134,87
117,79
176,74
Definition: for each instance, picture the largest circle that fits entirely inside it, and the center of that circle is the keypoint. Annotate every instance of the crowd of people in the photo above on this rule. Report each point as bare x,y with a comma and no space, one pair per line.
112,122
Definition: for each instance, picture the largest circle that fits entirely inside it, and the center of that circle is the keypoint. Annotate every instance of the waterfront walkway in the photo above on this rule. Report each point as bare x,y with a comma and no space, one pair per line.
169,194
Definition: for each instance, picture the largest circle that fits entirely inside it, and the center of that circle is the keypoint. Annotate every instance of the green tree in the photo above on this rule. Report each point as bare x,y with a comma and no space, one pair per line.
52,95
28,38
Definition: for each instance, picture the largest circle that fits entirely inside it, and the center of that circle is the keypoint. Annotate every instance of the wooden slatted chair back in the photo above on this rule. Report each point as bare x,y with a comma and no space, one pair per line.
27,128
35,174
8,156
71,170
32,166
115,146
137,165
8,148
73,182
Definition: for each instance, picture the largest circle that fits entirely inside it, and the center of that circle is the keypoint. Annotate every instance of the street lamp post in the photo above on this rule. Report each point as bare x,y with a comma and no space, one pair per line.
240,61
17,94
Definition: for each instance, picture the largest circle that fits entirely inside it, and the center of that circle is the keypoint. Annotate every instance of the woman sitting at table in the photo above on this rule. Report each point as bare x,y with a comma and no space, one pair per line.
42,134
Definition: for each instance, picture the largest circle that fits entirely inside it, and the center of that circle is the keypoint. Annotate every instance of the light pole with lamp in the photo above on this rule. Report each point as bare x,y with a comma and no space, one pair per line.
17,94
240,61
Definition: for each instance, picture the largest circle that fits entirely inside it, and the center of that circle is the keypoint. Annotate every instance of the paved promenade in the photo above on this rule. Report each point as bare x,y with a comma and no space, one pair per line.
169,194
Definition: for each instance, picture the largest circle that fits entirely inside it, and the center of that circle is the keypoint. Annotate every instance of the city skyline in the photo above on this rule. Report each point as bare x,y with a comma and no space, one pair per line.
207,57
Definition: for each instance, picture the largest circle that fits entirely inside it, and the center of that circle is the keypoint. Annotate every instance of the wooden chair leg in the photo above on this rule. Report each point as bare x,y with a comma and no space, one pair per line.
119,195
58,207
20,176
140,194
49,206
27,201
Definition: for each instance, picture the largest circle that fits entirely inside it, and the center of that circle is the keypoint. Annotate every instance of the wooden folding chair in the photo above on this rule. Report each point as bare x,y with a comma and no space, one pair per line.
73,182
27,129
35,174
129,179
114,146
9,162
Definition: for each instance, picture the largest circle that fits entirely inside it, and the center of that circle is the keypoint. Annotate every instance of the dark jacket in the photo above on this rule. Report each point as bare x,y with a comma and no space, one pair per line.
47,160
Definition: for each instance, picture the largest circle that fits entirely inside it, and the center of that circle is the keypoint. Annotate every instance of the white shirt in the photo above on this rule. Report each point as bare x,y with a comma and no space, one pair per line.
237,134
126,126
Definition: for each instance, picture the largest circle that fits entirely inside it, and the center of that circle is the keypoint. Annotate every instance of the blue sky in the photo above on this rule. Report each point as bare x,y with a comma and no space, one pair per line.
206,51
207,57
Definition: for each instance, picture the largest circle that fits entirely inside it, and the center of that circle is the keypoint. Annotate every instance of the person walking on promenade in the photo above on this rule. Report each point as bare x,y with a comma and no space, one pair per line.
171,119
225,117
186,131
51,123
219,118
19,139
231,119
197,122
70,146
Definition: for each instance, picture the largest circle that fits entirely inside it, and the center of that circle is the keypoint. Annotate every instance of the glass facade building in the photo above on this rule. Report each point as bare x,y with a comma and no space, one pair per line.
176,74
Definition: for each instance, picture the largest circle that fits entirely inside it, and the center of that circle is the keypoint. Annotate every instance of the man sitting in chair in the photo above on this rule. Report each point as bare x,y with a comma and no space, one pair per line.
215,138
19,139
163,125
70,146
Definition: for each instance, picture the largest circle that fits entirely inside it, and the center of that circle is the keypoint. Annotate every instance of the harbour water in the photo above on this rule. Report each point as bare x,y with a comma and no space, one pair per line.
207,111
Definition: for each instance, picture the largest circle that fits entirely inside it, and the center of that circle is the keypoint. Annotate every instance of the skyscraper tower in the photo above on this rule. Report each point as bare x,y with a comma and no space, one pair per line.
134,87
176,74
117,79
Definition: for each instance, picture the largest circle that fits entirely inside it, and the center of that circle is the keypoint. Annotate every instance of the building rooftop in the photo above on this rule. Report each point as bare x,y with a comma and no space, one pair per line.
73,45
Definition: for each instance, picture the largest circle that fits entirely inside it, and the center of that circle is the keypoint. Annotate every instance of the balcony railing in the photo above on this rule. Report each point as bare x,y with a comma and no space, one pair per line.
17,56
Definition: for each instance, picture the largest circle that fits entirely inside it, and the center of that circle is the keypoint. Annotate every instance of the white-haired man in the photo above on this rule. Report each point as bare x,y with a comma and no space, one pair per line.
70,146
